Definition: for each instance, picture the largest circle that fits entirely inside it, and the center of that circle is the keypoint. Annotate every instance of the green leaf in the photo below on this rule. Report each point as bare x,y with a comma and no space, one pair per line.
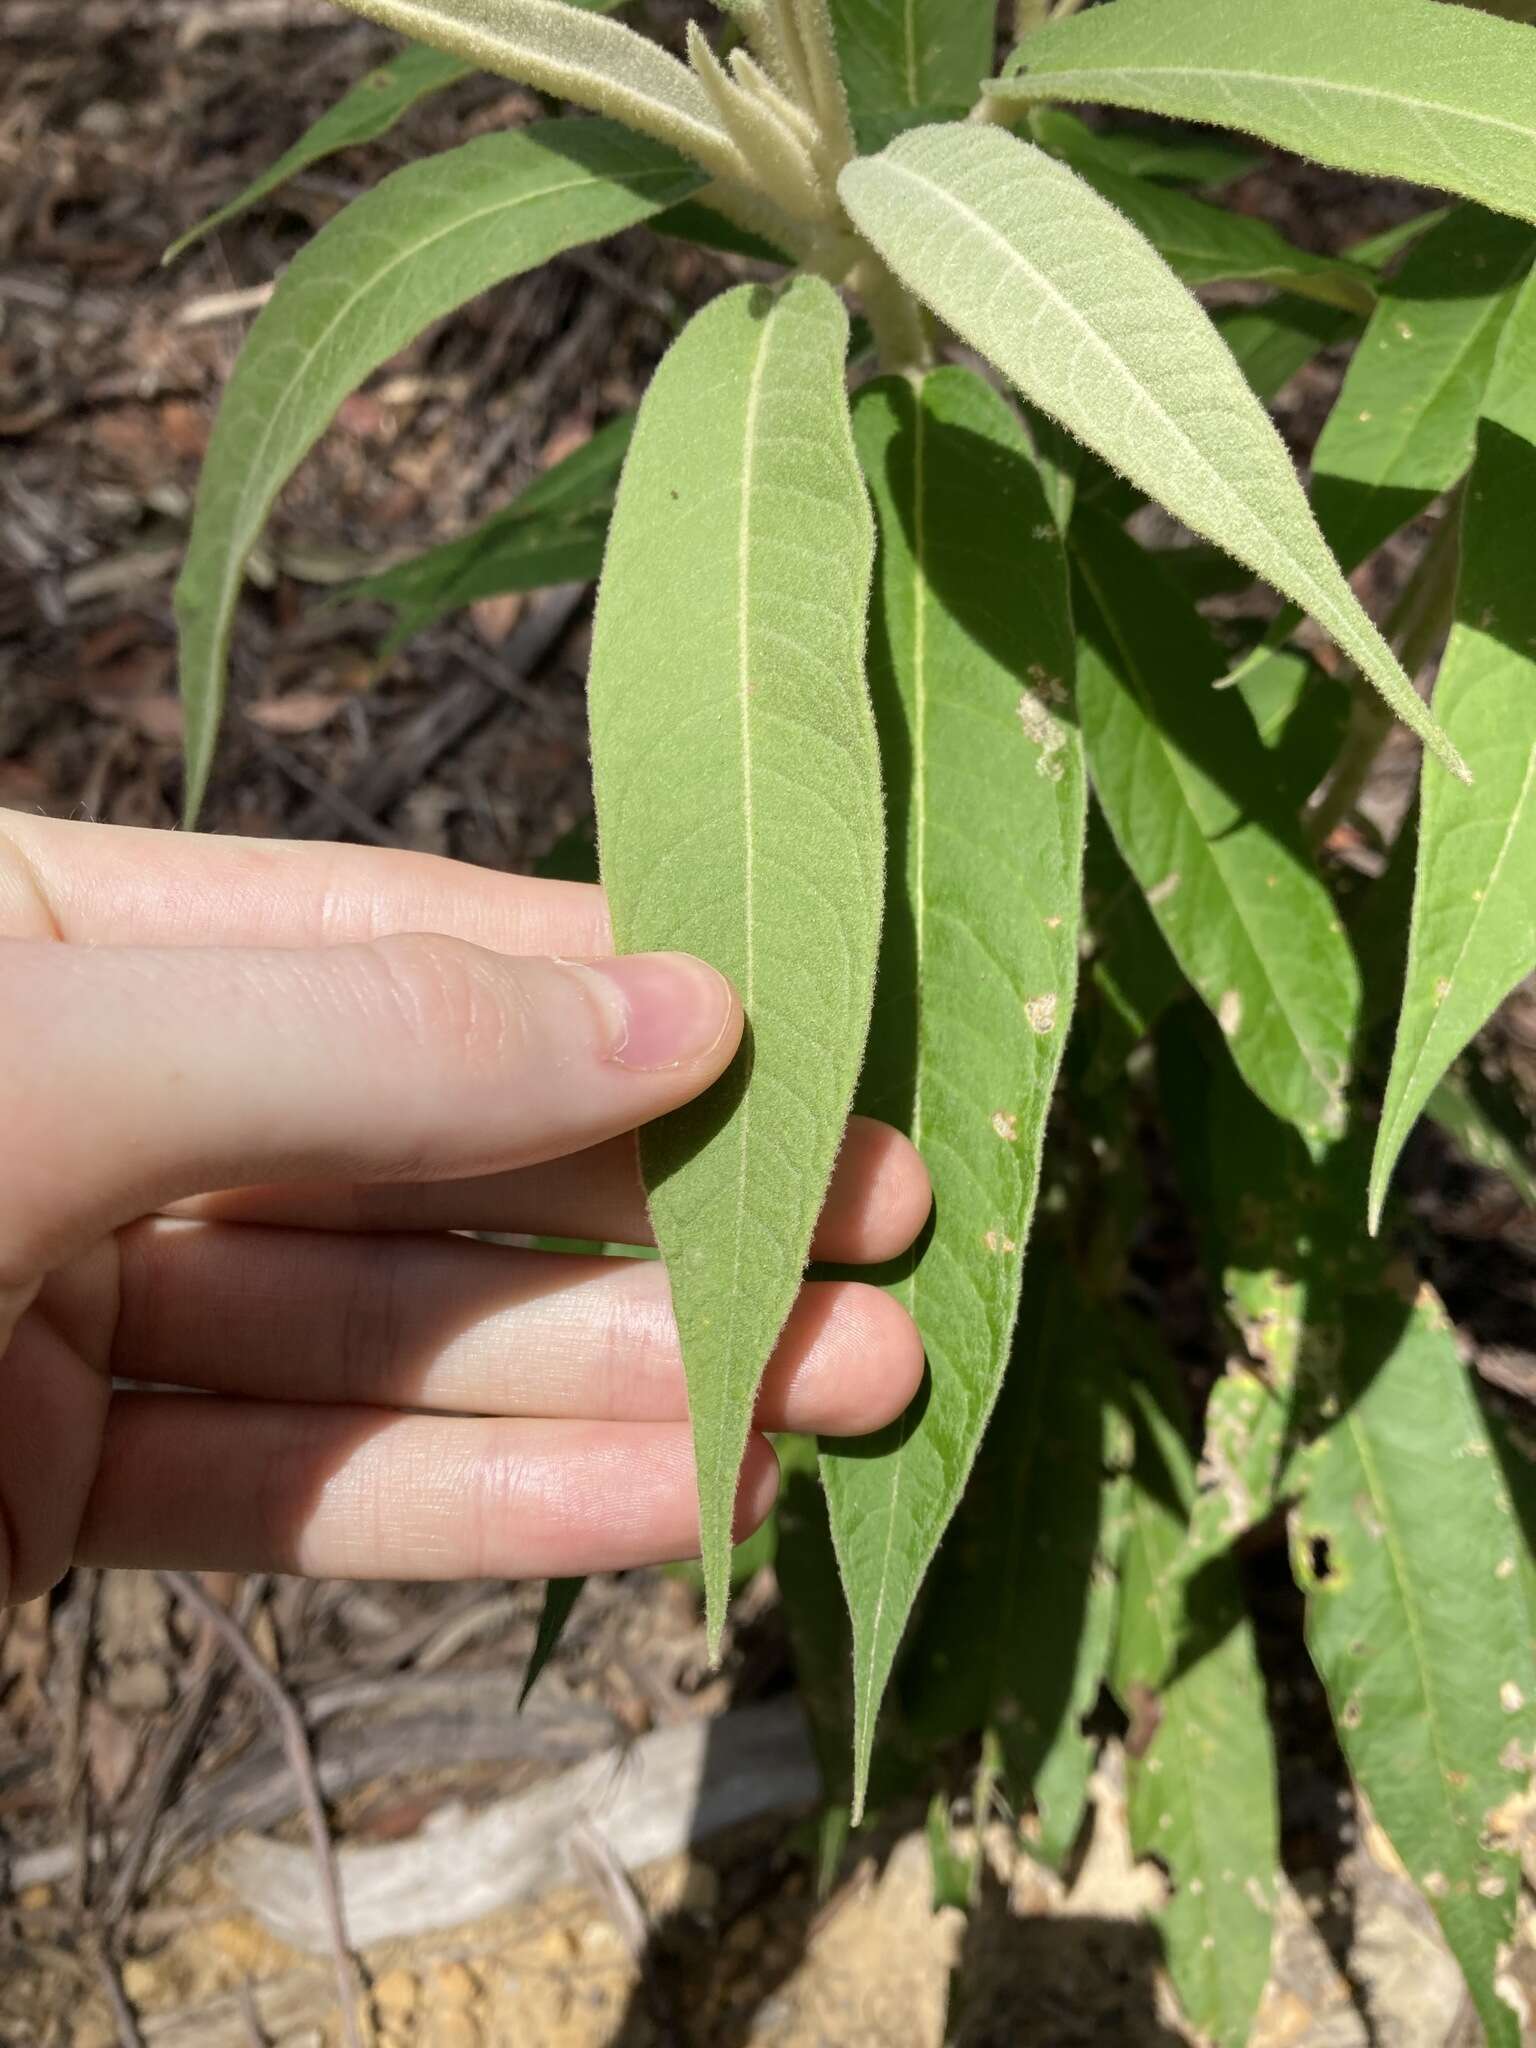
903,58
1404,425
1418,1620
1270,343
1396,88
418,246
1047,281
574,54
1189,794
1207,245
369,110
1202,1782
553,532
971,665
739,811
1473,932
1461,1108
560,1596
1301,716
1018,1618
1193,160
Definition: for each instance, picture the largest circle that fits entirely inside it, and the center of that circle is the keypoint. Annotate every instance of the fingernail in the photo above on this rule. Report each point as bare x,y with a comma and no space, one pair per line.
661,1009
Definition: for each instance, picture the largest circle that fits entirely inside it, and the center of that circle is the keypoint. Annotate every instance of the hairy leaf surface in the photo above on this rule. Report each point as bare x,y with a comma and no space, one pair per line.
369,110
1403,427
1201,1763
1473,933
1400,88
1189,793
1051,284
553,532
971,667
420,245
576,54
1418,1620
739,812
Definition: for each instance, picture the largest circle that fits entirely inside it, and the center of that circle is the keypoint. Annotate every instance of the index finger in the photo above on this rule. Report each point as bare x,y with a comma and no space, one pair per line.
118,885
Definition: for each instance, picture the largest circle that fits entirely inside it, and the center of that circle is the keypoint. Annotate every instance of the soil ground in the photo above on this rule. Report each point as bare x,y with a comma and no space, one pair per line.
122,122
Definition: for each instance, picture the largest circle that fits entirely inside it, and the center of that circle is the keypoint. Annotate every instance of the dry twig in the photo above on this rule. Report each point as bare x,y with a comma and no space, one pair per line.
296,1746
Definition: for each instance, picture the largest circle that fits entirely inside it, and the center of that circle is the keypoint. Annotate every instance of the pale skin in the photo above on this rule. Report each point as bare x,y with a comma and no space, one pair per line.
250,1093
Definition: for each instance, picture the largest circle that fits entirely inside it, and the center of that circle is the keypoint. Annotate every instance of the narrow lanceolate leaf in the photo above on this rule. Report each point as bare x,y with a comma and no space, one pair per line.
1403,427
971,665
425,241
1473,932
1201,1763
1400,88
369,110
553,532
739,812
1207,245
1418,1621
901,58
1188,791
560,1597
1018,1620
1056,288
576,54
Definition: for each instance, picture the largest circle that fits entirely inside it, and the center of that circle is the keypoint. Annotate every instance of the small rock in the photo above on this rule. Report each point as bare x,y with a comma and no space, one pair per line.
306,2037
93,2033
141,1980
451,2030
395,1994
453,1984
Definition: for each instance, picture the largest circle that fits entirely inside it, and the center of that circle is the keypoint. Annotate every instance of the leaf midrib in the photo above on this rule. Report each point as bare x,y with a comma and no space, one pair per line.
750,430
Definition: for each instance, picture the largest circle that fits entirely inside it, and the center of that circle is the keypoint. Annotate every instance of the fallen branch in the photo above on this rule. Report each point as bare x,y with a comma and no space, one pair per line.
650,1799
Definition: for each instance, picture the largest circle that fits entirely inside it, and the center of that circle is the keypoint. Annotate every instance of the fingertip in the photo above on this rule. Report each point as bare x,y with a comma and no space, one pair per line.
758,1487
880,1196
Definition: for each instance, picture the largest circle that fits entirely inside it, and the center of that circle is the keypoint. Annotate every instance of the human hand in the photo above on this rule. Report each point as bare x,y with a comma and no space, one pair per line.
242,1110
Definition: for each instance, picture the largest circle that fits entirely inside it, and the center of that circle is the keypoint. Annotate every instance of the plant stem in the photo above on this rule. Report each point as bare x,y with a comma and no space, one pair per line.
900,330
1028,15
1419,622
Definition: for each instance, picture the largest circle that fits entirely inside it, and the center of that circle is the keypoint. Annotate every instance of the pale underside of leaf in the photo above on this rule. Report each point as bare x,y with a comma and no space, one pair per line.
577,55
1472,936
1042,276
739,807
420,245
1400,88
971,663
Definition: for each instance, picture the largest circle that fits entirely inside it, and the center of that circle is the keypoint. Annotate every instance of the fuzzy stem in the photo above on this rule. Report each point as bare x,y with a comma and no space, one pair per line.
1028,15
829,101
900,330
1419,622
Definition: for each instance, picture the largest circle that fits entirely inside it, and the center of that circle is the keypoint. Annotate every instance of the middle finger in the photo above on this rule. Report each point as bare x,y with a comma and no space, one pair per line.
449,1325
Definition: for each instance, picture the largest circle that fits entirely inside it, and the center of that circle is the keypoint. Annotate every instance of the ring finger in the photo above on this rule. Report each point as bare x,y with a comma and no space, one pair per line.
447,1325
